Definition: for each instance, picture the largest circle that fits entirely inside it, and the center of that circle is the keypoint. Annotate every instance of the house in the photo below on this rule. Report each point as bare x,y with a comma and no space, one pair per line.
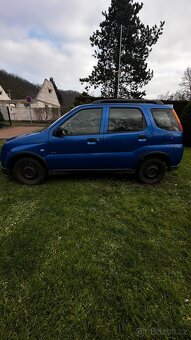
3,95
44,107
3,106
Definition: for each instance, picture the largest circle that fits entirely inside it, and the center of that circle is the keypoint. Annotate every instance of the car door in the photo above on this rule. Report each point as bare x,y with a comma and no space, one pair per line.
79,146
126,134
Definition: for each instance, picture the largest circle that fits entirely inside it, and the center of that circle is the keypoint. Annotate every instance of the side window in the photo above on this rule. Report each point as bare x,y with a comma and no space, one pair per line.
84,122
126,120
165,119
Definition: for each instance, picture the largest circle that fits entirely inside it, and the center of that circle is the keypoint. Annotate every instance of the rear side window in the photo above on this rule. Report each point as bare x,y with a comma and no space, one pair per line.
165,119
126,120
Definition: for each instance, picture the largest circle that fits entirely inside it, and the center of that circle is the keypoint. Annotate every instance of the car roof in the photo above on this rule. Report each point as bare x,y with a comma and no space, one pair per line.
151,104
126,101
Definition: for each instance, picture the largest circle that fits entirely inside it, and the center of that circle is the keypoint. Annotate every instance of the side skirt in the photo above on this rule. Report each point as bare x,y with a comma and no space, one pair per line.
65,171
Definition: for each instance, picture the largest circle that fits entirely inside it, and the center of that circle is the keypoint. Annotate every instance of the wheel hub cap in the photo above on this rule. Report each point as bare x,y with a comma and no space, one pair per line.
29,171
152,170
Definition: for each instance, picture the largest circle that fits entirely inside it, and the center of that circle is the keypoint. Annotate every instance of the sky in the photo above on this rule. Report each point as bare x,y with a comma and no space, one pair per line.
50,38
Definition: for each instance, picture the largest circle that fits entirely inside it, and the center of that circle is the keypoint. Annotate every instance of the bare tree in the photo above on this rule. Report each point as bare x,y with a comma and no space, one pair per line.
166,96
184,93
178,95
186,83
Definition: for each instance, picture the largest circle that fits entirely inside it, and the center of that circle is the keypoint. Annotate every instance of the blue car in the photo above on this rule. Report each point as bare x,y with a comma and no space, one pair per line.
138,137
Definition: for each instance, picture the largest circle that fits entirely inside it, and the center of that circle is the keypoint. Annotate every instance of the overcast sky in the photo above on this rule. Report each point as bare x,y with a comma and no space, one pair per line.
44,38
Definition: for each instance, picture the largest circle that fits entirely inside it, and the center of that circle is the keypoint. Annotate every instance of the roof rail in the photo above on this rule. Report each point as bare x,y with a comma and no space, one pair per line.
123,100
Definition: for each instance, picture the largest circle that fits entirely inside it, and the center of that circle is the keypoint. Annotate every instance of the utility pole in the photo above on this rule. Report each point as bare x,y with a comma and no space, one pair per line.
30,111
9,116
119,62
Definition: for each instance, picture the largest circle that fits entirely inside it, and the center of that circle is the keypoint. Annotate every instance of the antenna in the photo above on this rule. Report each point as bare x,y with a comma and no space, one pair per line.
119,68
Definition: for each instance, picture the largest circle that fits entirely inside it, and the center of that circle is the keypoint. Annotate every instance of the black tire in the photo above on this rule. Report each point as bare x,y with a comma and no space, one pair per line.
29,171
152,171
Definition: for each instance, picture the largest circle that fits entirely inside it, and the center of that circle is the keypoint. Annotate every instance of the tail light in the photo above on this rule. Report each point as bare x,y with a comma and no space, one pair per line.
178,120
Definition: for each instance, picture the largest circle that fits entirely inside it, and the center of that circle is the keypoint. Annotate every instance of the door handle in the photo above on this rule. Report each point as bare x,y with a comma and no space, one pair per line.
142,138
92,141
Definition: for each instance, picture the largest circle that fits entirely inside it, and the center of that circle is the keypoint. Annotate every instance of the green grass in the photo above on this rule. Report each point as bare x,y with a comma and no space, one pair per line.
96,257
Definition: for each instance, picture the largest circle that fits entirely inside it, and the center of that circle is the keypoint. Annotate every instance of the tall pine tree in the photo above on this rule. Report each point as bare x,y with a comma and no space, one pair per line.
137,41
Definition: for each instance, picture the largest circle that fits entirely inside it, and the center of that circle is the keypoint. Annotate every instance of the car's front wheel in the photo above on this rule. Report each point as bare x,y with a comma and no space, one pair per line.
152,170
29,171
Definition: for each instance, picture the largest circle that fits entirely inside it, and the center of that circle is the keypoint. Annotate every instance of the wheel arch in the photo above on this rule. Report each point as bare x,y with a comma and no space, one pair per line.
161,155
28,155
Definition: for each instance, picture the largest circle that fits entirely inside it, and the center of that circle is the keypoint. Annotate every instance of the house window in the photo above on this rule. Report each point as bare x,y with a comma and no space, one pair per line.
49,90
1,92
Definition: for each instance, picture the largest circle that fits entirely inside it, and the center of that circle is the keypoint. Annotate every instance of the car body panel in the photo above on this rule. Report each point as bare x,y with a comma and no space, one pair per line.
100,151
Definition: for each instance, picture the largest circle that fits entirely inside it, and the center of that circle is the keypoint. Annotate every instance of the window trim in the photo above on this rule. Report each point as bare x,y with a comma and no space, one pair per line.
144,122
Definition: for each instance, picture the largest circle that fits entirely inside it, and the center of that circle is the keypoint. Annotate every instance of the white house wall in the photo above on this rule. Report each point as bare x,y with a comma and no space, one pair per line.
47,94
21,112
3,95
4,112
37,111
3,107
44,107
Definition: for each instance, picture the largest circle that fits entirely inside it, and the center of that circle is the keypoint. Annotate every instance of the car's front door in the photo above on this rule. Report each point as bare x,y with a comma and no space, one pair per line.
79,146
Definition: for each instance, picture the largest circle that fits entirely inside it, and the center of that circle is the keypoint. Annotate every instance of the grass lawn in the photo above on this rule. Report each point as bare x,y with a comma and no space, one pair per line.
97,257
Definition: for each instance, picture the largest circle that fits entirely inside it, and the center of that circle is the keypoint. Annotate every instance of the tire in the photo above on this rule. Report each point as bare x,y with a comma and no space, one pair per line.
152,171
29,171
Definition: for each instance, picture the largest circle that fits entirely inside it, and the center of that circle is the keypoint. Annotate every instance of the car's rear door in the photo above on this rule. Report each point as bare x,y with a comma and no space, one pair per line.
127,132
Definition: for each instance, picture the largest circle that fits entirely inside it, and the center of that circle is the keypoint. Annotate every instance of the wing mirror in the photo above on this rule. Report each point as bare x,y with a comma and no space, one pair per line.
58,132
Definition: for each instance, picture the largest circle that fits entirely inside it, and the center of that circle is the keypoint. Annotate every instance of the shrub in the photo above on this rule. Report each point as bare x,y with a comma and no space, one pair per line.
186,123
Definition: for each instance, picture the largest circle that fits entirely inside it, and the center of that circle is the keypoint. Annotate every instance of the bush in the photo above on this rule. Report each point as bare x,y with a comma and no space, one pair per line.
186,123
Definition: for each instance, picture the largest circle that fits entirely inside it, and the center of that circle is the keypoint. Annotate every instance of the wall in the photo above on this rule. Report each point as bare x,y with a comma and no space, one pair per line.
37,112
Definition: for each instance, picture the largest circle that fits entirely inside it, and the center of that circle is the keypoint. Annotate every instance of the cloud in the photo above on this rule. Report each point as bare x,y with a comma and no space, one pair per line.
172,53
49,39
36,60
41,38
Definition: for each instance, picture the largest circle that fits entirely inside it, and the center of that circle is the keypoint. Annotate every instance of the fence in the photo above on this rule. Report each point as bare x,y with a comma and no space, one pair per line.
27,113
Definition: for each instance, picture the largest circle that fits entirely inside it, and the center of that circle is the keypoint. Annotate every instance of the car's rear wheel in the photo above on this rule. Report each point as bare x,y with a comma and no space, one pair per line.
152,170
29,171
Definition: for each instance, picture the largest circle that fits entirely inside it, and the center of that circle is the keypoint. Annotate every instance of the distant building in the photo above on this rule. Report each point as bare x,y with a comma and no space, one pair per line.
42,108
3,103
3,95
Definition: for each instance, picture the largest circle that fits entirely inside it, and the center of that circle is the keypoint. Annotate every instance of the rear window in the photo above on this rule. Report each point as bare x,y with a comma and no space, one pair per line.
165,119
